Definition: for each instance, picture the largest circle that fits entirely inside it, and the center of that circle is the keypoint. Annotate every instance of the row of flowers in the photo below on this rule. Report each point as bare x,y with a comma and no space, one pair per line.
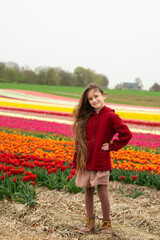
64,114
140,115
36,125
35,105
35,121
139,139
53,150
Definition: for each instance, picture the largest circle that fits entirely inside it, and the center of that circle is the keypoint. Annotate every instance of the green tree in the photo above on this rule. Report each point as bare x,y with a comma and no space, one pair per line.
41,73
102,80
29,76
84,76
52,77
67,78
10,75
2,72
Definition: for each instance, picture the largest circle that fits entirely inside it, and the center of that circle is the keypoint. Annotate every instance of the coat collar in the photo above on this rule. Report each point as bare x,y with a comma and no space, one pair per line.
103,109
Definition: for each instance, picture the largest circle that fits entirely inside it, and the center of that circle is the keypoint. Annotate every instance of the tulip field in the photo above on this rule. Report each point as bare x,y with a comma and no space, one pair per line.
37,145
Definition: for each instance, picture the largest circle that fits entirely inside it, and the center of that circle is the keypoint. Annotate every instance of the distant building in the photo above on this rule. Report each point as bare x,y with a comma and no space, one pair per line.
130,86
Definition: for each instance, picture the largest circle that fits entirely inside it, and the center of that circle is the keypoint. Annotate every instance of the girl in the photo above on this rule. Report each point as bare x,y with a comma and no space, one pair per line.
94,127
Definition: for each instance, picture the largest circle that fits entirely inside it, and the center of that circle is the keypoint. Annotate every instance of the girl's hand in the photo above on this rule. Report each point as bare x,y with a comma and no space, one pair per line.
105,147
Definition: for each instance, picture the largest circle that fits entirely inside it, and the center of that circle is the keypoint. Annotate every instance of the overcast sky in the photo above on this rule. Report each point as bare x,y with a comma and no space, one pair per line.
117,38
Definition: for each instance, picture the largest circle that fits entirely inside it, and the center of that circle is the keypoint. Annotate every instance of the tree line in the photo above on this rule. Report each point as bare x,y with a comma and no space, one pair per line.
11,73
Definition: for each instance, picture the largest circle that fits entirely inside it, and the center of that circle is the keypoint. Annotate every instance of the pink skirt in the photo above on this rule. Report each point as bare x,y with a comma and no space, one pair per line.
89,179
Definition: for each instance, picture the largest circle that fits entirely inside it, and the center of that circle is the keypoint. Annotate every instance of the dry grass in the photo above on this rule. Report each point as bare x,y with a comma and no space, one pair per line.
59,215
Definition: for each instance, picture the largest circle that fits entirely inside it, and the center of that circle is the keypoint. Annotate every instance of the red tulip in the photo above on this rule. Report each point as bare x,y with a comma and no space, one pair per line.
73,171
63,168
9,174
15,179
2,177
122,177
54,170
134,177
28,173
33,177
26,179
33,183
53,164
25,164
69,177
70,163
31,165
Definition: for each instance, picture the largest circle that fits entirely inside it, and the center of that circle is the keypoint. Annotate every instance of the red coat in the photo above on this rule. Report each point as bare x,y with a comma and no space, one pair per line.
100,129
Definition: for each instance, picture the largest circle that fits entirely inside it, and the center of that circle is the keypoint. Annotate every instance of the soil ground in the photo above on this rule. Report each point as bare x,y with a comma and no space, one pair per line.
59,215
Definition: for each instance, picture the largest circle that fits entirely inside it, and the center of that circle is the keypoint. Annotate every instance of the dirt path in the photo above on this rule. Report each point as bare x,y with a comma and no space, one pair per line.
59,215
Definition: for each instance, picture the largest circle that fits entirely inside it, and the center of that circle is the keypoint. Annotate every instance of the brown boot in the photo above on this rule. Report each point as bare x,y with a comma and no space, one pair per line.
106,227
90,225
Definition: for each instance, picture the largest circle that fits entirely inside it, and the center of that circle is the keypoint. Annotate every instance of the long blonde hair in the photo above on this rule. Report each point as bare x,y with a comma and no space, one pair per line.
82,113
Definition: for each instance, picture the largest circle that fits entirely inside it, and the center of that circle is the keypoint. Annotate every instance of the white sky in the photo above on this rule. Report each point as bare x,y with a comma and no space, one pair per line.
117,38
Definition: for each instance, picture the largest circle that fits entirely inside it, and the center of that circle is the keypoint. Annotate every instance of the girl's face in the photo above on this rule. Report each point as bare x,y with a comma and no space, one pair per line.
96,99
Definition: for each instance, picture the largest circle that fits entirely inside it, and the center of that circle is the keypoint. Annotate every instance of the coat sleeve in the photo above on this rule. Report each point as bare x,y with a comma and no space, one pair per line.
75,156
74,160
124,134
